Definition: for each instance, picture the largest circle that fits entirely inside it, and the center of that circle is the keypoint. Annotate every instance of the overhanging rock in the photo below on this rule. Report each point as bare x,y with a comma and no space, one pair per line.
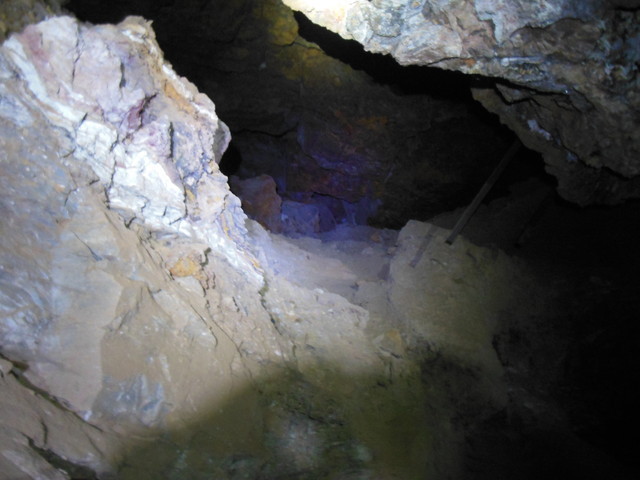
564,74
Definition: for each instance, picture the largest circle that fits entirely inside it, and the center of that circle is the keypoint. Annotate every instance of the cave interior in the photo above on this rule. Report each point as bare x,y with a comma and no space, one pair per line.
329,140
592,245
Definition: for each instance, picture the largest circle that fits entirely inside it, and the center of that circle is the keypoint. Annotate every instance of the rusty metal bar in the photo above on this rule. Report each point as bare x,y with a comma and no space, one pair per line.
473,206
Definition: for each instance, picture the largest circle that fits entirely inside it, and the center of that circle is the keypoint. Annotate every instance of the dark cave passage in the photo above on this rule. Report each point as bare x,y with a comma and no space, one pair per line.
330,134
348,136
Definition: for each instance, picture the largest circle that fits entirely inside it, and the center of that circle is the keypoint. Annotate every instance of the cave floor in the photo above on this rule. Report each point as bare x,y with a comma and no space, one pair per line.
351,261
555,419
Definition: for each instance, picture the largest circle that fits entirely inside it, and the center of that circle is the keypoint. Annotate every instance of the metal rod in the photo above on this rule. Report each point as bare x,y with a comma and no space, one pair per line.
423,246
473,206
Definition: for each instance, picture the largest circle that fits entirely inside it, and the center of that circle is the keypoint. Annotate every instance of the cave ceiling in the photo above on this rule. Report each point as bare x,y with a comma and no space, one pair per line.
565,73
331,123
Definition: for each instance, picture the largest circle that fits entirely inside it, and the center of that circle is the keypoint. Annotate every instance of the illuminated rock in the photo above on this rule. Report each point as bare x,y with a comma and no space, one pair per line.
148,329
151,334
109,182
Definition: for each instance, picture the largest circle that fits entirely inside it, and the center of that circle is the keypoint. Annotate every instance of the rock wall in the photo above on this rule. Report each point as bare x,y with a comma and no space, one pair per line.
329,133
112,207
565,73
149,330
145,331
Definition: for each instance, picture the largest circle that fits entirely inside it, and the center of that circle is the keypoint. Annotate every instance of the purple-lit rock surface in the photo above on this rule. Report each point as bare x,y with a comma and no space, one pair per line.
300,218
567,73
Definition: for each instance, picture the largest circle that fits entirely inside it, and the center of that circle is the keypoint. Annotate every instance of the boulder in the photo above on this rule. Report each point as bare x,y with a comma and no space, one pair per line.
300,218
260,201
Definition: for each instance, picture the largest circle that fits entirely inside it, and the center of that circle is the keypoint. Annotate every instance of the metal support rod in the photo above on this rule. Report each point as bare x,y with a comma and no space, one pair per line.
473,206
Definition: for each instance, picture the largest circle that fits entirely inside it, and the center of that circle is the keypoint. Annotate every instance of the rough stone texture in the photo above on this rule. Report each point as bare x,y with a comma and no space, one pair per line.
113,208
567,73
318,126
463,326
149,330
300,218
260,201
152,334
35,431
109,189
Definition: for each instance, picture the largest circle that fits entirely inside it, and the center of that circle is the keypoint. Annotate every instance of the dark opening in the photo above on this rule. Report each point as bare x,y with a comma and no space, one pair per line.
231,160
408,80
438,167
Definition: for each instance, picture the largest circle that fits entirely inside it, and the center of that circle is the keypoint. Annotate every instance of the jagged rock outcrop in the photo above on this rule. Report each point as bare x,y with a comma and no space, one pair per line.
112,204
328,133
149,330
145,331
566,73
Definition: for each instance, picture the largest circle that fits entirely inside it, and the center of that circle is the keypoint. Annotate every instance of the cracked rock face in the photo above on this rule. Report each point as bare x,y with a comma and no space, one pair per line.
149,330
566,73
112,204
326,131
145,331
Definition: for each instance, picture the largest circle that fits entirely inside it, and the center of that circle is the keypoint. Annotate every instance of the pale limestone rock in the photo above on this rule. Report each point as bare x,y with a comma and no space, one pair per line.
131,292
29,419
117,106
110,162
509,16
448,296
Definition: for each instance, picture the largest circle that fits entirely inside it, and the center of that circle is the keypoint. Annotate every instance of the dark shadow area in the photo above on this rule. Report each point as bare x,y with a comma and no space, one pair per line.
599,366
588,252
285,427
370,153
352,427
508,448
587,240
113,11
404,80
526,165
512,444
231,160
